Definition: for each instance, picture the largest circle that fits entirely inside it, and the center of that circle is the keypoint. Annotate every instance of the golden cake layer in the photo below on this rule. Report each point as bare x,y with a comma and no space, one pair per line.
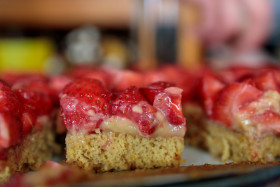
226,143
36,148
118,151
240,146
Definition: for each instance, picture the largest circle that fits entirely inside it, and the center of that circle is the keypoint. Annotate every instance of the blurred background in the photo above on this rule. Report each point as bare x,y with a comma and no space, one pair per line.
50,36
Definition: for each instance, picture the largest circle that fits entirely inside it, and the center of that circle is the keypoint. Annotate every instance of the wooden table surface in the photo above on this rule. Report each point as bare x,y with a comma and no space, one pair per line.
66,13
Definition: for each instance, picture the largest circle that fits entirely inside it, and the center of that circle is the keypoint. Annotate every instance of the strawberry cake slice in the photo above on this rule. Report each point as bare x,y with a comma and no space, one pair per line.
26,136
131,129
240,119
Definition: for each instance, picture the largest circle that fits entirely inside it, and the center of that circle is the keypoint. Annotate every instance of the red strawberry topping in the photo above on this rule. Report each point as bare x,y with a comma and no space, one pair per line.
209,88
58,82
183,79
99,73
28,119
266,81
10,111
235,74
155,88
84,103
232,98
169,103
10,133
13,78
37,100
132,105
9,101
126,78
4,157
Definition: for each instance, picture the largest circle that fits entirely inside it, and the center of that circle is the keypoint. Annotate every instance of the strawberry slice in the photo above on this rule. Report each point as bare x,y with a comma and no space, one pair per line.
28,119
39,102
10,111
266,81
169,103
155,88
126,78
231,99
37,99
188,81
12,78
132,105
34,91
274,69
236,73
209,88
84,103
98,75
9,101
58,82
183,79
10,133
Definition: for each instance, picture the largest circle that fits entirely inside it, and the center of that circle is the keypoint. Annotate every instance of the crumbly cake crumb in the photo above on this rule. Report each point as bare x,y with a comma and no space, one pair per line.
239,146
227,143
118,151
35,149
196,133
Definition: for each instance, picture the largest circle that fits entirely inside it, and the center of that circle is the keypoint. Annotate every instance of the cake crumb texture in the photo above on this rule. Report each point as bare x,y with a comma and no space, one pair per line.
226,143
196,134
118,151
35,149
240,146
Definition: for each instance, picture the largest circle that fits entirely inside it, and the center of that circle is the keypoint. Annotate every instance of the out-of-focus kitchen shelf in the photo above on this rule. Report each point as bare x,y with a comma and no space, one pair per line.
66,13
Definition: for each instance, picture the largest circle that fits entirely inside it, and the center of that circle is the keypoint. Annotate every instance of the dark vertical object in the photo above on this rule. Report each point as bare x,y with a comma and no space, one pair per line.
166,37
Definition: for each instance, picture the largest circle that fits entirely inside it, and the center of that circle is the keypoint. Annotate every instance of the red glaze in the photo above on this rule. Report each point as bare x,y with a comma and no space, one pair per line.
11,129
183,79
37,99
21,105
84,102
28,119
121,80
9,101
90,72
10,111
12,78
3,156
169,103
231,99
235,74
58,82
210,86
266,81
155,88
39,102
123,106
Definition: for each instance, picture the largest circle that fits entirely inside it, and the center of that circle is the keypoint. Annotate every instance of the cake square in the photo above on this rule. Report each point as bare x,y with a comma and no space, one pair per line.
132,129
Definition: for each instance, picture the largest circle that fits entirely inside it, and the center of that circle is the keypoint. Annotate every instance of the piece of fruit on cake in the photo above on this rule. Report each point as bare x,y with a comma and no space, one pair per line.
135,128
26,136
241,119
